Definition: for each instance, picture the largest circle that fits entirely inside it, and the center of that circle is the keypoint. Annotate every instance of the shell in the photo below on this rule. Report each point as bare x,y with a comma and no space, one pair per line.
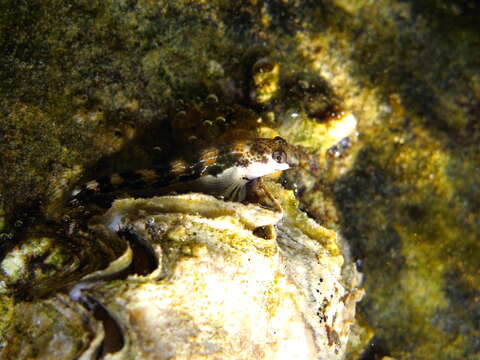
233,281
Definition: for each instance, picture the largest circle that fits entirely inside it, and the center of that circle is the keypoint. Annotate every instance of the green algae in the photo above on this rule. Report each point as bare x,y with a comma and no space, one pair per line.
2,216
44,321
413,219
29,153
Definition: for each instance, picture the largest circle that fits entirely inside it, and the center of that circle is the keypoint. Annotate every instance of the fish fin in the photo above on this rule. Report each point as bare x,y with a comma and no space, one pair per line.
235,192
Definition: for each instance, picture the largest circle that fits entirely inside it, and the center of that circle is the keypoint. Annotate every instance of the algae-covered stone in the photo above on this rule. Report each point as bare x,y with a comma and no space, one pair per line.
57,328
45,261
222,291
88,86
319,136
265,80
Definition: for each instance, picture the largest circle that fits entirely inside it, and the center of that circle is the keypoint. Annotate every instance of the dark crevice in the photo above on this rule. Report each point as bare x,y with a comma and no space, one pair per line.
144,260
114,339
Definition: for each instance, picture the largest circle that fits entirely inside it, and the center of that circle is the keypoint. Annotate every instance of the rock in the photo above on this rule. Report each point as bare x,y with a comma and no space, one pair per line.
222,291
56,328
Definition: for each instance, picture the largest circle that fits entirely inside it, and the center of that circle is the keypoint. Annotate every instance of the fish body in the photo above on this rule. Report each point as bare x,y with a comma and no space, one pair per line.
222,171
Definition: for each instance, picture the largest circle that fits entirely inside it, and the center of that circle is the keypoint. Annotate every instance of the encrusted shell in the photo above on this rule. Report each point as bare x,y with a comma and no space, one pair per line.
221,290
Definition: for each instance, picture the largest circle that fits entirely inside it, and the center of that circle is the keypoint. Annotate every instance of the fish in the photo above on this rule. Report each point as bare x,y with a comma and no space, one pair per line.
223,171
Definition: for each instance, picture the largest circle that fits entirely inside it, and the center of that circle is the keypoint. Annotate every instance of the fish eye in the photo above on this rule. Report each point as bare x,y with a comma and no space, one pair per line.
280,140
279,156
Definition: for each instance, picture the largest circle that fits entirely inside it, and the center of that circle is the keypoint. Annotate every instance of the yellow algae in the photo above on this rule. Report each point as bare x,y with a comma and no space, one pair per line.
266,78
299,129
298,219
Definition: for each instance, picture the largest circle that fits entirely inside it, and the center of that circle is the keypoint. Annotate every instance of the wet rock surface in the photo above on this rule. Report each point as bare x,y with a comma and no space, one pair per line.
223,285
93,87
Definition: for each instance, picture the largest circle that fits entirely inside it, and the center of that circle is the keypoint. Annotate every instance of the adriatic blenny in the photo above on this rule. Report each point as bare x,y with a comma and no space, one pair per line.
223,171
